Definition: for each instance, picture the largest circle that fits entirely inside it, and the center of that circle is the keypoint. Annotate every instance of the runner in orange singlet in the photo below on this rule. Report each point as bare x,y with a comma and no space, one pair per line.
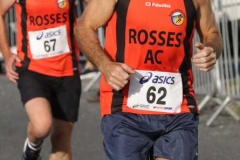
47,71
147,98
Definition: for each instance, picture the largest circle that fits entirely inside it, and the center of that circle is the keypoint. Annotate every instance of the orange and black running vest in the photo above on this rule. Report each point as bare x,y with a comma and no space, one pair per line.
154,37
45,37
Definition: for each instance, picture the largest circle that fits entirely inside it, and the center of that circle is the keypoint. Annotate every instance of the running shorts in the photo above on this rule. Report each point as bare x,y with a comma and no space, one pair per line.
129,136
63,93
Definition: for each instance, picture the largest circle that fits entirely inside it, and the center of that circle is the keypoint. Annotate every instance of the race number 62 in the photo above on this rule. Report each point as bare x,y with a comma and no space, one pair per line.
153,93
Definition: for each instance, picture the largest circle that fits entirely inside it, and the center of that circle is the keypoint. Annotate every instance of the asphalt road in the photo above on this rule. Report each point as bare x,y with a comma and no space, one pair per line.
221,141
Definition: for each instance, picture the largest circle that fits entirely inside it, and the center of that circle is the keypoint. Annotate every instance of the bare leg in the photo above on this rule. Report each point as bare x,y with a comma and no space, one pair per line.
61,140
39,126
40,119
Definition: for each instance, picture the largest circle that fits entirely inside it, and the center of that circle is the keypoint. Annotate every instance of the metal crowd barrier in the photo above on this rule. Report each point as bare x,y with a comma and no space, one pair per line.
228,66
204,82
223,84
11,31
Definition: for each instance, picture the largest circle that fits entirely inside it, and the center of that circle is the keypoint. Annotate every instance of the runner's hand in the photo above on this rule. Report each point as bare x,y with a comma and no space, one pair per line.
9,66
205,58
117,75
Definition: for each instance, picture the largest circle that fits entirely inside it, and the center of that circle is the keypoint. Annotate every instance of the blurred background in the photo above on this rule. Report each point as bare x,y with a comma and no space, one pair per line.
218,94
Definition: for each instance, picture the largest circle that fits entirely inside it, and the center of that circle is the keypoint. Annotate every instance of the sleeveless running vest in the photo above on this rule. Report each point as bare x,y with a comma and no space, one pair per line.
45,37
155,39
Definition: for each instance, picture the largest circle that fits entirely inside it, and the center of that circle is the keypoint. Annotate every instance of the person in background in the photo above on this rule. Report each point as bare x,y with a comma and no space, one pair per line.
46,70
147,97
88,71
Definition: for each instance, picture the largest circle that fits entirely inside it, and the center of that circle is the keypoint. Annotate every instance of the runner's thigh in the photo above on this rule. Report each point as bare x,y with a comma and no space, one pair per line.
123,140
32,85
180,144
65,103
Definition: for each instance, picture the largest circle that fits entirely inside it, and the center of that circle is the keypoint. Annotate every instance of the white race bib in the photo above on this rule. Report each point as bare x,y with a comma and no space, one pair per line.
155,91
49,42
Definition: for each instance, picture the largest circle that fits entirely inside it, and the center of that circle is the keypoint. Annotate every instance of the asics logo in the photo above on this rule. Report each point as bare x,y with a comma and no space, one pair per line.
146,78
40,36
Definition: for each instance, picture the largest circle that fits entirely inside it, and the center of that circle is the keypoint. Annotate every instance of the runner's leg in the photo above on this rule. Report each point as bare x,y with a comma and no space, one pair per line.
61,140
39,126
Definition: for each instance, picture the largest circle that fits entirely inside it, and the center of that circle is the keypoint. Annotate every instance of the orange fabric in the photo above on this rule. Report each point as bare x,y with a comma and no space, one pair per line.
44,15
151,29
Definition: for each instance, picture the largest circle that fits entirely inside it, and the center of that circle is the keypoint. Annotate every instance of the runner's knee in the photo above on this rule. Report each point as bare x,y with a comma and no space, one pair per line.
40,130
61,141
61,135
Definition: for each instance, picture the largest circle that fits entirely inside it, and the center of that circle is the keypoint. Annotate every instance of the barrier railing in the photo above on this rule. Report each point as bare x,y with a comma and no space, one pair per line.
11,31
222,84
228,66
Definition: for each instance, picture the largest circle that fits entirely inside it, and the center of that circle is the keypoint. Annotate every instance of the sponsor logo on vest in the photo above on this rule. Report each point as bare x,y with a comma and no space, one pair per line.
177,18
62,3
159,5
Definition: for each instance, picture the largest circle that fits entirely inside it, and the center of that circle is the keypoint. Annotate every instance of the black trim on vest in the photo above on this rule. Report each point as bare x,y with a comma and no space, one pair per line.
121,10
26,60
187,64
81,5
72,18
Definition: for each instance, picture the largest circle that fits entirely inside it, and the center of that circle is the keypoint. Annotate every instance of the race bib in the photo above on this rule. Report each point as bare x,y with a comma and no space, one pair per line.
48,43
155,91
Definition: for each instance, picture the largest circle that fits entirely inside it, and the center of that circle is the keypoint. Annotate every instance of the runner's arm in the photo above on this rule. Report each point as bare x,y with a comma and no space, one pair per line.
95,15
5,5
8,56
207,27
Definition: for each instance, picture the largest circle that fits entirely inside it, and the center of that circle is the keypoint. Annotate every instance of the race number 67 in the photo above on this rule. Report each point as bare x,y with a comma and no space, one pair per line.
50,45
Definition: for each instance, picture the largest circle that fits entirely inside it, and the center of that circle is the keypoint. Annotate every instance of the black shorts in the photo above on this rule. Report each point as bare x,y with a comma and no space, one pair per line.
63,93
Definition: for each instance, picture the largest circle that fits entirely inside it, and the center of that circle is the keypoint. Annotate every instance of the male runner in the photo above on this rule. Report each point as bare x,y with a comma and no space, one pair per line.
147,98
47,71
